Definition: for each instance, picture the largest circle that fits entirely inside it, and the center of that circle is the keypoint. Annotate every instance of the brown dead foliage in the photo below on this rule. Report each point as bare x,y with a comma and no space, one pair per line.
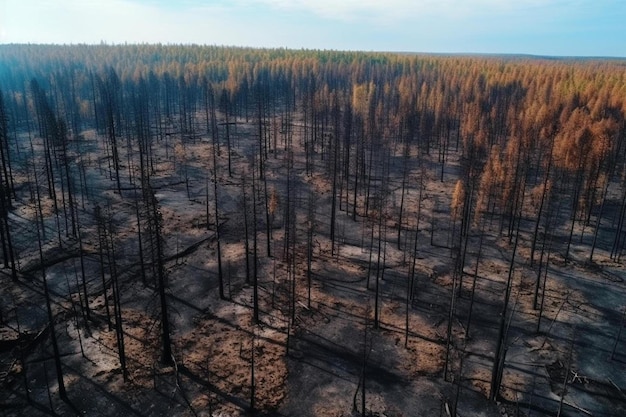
423,357
221,352
141,345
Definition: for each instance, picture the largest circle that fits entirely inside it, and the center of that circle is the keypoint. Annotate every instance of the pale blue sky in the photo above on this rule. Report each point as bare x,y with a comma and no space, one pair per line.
541,27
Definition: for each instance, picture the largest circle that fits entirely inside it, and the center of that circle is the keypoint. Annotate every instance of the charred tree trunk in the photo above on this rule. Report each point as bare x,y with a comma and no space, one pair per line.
157,222
220,273
53,336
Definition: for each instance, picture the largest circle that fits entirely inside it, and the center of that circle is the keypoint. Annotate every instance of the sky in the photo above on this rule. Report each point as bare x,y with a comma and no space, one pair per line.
537,27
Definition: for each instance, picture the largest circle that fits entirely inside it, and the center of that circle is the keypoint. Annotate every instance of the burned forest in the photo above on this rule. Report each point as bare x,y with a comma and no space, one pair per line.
221,231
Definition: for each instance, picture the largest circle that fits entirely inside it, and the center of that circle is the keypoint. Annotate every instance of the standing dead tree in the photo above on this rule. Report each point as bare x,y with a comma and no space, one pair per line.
109,93
5,193
157,225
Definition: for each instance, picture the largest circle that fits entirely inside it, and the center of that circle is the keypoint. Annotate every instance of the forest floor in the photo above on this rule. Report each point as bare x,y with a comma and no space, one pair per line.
332,359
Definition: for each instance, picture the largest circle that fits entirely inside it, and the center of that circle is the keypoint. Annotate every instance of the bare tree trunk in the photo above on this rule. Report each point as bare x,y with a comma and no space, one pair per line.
220,274
53,337
117,306
255,283
252,378
309,252
499,355
167,357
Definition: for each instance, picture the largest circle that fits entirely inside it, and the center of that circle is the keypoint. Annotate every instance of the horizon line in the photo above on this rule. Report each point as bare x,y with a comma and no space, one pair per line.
364,51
